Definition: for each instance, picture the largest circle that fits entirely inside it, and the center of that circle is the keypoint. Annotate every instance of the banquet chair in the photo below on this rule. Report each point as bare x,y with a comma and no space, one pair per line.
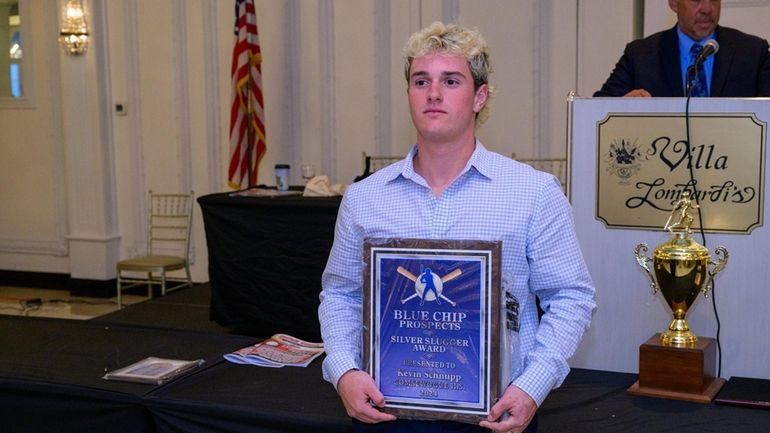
169,217
373,163
555,166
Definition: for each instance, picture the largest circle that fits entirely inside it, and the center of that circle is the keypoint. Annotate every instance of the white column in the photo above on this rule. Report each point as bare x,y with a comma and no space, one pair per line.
88,155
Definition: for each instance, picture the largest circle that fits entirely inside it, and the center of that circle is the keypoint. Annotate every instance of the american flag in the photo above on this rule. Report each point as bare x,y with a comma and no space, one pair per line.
247,114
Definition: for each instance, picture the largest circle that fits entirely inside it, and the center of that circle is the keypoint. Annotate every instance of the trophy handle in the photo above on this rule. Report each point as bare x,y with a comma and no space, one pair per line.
718,266
640,252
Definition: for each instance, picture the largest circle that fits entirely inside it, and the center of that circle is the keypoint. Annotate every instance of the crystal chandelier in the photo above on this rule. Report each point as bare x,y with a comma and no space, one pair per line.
74,32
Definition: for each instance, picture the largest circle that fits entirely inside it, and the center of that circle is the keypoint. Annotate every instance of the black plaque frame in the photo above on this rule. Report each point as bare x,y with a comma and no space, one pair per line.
427,373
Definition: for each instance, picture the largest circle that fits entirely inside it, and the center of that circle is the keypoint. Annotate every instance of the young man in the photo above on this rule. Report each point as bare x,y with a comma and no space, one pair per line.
450,187
657,65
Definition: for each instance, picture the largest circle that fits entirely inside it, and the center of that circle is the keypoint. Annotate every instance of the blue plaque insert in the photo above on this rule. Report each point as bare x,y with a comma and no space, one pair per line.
432,323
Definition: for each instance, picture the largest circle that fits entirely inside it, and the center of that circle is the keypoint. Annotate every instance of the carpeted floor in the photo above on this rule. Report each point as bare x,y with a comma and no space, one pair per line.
57,303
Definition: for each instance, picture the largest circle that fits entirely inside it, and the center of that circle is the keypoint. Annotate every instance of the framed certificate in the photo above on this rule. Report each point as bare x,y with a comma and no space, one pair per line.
431,326
153,370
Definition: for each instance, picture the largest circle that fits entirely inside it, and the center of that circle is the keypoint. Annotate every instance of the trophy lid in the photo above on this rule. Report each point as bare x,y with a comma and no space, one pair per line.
681,247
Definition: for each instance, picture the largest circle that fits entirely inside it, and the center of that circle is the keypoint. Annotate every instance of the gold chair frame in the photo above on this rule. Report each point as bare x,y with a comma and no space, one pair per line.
373,163
169,219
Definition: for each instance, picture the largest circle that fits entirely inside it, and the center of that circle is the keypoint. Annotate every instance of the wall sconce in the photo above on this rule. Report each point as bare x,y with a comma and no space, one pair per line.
73,37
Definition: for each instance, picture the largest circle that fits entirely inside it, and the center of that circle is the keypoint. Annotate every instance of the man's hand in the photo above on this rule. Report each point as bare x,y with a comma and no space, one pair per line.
638,93
519,407
358,392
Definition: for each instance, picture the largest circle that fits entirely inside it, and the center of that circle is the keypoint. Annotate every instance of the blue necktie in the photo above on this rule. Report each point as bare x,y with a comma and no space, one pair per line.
698,86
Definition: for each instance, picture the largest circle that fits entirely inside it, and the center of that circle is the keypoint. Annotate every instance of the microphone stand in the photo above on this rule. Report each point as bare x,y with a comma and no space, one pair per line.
689,75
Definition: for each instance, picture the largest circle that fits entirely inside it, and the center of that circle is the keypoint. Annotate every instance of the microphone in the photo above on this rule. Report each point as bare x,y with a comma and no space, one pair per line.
709,48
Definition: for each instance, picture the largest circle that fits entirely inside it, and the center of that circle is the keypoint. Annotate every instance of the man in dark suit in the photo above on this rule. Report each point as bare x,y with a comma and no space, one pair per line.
657,65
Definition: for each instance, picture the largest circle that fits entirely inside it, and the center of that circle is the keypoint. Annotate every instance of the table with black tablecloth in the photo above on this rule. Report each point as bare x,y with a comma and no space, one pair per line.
51,372
240,398
596,402
258,399
266,257
51,381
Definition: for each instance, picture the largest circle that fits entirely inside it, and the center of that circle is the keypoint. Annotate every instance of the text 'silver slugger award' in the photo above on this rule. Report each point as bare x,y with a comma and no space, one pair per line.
432,326
676,363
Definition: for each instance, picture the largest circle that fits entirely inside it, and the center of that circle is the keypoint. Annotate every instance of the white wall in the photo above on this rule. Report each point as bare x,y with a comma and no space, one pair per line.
33,220
75,173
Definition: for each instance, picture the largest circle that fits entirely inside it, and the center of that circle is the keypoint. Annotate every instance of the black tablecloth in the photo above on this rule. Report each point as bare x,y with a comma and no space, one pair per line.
248,398
51,372
266,257
240,398
51,369
596,402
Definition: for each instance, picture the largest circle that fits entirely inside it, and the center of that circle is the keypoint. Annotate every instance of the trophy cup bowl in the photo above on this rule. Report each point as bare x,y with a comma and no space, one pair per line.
681,271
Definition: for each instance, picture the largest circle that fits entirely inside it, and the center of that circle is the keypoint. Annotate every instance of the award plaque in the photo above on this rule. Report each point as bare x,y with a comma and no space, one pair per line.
676,363
432,326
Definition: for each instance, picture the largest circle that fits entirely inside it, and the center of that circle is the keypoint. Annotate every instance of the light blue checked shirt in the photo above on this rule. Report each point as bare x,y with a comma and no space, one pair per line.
494,198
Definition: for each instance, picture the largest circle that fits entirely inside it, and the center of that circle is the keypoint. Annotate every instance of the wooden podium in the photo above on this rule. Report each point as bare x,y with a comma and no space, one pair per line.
679,373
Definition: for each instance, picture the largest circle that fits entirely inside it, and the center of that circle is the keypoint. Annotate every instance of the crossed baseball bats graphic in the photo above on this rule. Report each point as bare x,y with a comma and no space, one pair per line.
450,276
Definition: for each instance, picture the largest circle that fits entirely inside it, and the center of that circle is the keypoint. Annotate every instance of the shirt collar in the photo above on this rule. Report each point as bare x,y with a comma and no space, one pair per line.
479,161
686,42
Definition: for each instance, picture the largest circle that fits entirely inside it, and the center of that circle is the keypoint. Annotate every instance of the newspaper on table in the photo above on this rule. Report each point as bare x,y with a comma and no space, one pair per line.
278,351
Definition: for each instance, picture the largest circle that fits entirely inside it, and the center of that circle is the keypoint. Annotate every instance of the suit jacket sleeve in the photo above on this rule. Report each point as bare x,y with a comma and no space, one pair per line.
621,80
651,63
764,74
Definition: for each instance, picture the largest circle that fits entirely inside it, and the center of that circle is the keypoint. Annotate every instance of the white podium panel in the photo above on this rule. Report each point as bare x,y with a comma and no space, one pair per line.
628,313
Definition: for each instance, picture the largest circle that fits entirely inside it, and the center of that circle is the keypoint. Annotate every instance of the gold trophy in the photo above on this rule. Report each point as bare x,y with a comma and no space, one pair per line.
681,269
676,364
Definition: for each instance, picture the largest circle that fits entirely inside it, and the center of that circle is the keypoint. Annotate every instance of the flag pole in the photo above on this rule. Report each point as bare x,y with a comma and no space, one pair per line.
250,126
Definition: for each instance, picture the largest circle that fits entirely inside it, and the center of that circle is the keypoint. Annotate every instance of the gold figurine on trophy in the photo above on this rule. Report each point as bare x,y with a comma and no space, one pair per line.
681,268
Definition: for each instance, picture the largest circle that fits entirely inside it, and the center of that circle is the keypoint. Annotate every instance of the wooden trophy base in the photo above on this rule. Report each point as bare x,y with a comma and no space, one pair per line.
678,373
